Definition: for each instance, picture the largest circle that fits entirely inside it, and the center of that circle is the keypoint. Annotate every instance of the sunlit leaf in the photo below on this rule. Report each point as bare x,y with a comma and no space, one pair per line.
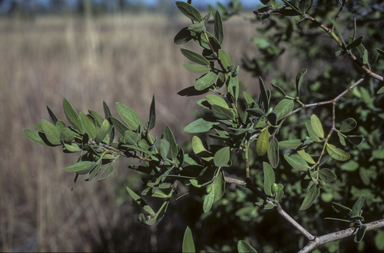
205,81
82,167
221,157
51,132
336,153
195,57
188,244
316,126
262,143
128,115
296,161
200,126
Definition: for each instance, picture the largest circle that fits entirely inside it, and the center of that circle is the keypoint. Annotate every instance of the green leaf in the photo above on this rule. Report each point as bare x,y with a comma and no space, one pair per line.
223,113
356,209
379,240
312,194
128,115
195,57
262,143
189,11
205,81
219,186
307,157
311,132
381,90
296,161
52,115
104,129
278,89
97,117
291,144
73,147
327,175
348,125
336,153
225,59
67,135
152,114
219,28
34,136
283,108
89,126
95,171
173,147
72,115
221,157
341,210
130,137
188,244
198,27
106,173
338,30
216,100
380,51
197,146
248,98
360,233
351,165
107,112
263,94
200,126
269,178
197,68
119,126
234,87
272,118
317,127
51,132
82,167
141,202
164,148
355,43
299,78
244,247
257,112
273,152
208,201
355,139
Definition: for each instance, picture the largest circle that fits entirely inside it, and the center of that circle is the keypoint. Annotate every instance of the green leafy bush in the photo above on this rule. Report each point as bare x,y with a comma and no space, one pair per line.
316,140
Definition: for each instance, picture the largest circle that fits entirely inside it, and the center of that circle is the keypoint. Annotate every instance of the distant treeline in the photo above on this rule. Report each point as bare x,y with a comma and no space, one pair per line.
80,7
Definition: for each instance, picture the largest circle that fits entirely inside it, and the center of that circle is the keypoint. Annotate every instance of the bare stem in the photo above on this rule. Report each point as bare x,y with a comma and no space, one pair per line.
339,235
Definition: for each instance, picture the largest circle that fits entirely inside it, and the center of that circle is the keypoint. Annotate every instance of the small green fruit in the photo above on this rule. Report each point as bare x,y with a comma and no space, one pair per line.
322,183
275,188
209,188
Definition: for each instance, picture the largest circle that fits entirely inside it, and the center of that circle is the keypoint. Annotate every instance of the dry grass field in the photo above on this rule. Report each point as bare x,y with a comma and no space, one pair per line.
116,59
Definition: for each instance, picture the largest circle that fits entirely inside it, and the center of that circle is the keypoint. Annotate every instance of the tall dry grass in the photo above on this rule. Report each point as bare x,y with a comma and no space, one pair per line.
116,59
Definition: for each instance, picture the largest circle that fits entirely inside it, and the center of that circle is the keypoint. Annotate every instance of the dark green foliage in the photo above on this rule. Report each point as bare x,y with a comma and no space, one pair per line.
291,121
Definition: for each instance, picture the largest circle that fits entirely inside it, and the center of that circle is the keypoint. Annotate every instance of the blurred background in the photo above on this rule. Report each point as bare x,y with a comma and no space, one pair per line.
89,52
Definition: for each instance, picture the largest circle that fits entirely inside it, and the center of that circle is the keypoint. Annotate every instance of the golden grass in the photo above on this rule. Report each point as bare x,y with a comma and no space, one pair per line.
116,59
